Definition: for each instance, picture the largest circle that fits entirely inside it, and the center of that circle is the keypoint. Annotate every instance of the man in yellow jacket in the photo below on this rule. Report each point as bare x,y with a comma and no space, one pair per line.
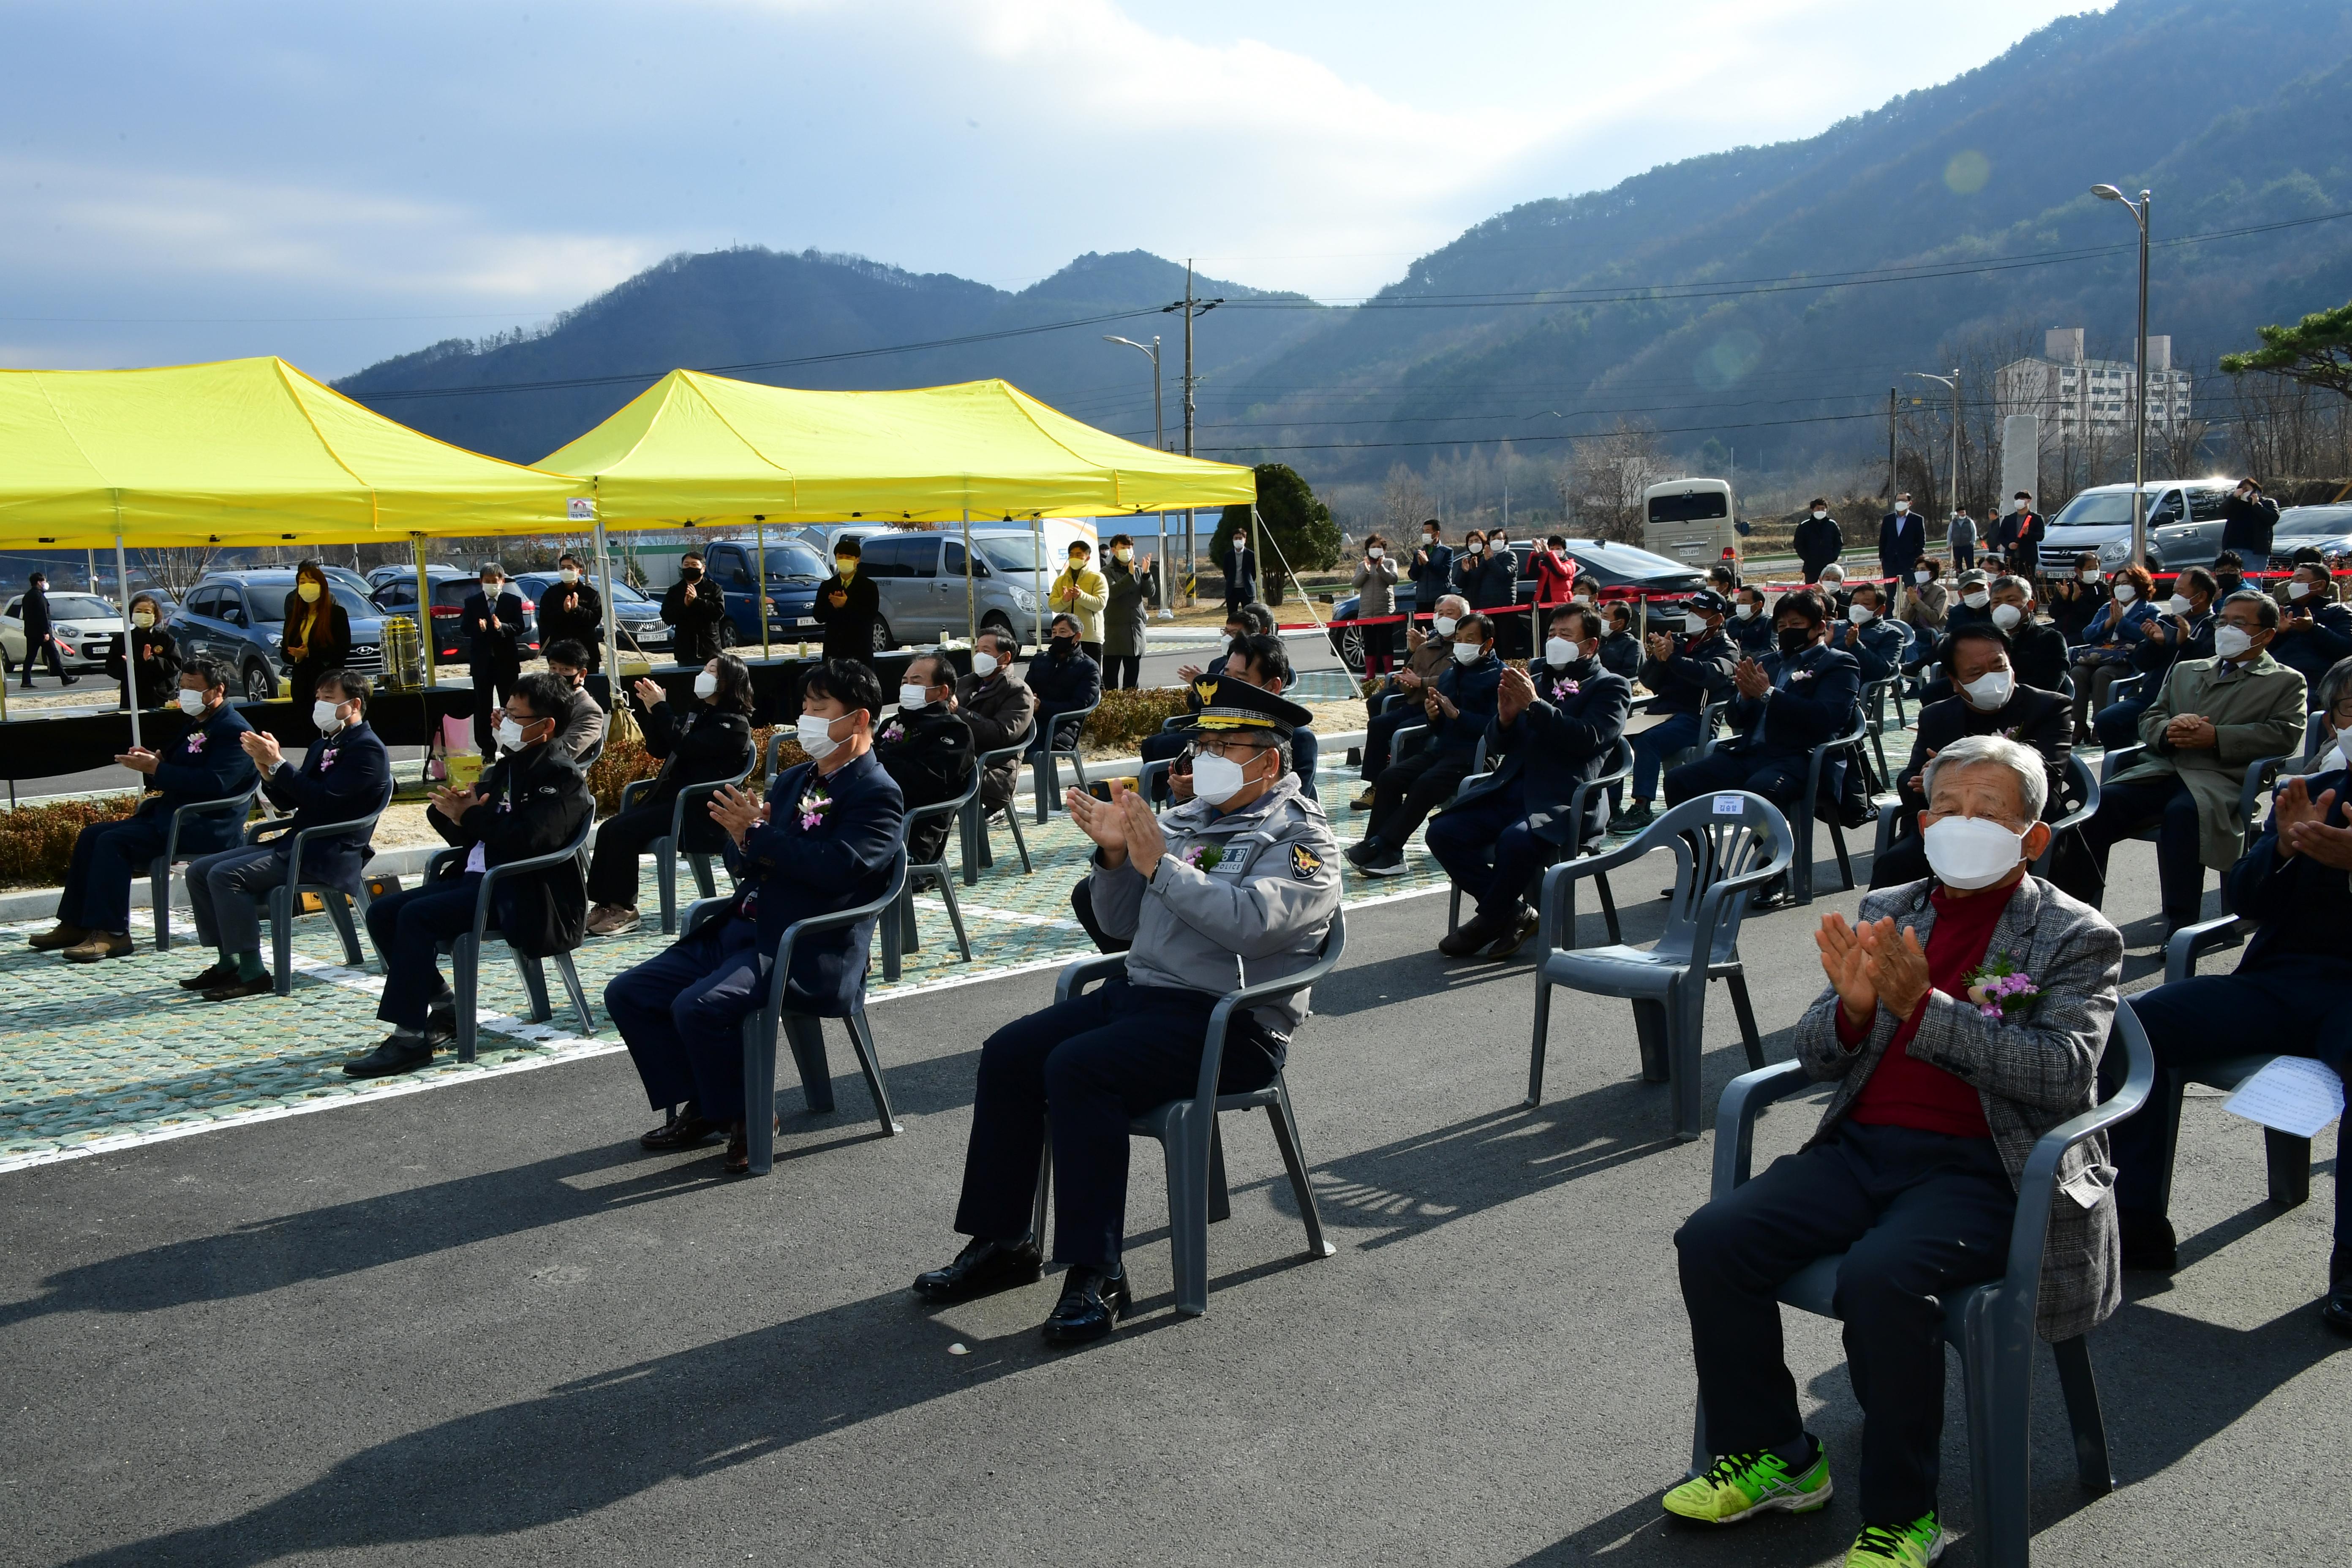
1080,592
2213,720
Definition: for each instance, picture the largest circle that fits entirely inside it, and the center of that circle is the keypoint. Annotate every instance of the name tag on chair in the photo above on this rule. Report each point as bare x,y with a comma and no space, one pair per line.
1730,805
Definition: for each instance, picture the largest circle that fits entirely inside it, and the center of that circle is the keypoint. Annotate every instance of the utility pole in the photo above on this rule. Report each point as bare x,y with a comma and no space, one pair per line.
1191,307
2139,211
1893,487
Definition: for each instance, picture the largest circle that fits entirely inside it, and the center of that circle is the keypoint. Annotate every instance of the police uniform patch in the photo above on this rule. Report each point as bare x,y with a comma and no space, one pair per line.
1304,864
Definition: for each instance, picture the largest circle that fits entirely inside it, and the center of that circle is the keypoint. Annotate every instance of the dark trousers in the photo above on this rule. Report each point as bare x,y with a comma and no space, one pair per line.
47,648
1917,1214
409,927
2303,1002
1379,736
1905,860
1082,904
1778,775
1653,746
1123,671
1407,791
1049,721
492,687
1095,1063
2118,725
107,856
1963,557
681,1014
1093,650
613,872
226,891
1463,838
2093,675
2124,809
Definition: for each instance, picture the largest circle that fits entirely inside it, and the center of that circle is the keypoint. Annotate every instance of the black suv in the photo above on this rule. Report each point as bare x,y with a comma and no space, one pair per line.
236,618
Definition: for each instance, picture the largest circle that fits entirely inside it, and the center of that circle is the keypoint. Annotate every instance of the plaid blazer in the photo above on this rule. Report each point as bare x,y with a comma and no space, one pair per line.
2031,1075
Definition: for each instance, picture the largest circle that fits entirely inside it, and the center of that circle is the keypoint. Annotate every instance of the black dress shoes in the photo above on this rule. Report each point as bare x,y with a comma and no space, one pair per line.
1473,934
236,990
982,1268
685,1130
1092,1300
397,1054
2336,1310
219,974
2146,1241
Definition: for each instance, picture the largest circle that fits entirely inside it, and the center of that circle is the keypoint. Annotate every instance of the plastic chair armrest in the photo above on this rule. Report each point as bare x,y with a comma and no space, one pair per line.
195,809
1335,942
2192,942
772,1010
2038,1184
1743,1099
1076,977
636,791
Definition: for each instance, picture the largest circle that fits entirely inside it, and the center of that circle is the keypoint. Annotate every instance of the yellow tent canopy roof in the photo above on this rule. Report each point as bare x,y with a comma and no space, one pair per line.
249,451
702,448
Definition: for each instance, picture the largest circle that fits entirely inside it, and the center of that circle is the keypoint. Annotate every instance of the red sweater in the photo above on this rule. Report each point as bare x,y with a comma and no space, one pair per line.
1555,577
1903,1091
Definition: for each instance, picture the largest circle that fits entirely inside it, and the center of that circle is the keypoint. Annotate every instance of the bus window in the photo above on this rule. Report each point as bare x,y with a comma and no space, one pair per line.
1699,506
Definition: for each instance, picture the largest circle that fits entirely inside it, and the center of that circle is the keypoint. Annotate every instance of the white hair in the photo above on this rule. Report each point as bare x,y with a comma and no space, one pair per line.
1445,599
2032,773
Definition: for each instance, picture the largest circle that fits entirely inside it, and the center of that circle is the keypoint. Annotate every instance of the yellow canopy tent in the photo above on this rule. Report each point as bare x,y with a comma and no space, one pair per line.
696,448
241,452
702,448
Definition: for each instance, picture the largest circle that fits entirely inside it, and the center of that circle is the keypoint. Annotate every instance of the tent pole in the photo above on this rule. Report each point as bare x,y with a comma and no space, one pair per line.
970,607
1041,578
760,598
611,631
424,634
129,664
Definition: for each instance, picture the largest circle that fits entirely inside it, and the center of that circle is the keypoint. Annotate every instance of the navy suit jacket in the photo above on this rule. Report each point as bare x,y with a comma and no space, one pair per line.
1878,647
206,763
342,779
1562,739
500,648
2300,905
1434,582
1902,539
1815,704
1471,689
792,869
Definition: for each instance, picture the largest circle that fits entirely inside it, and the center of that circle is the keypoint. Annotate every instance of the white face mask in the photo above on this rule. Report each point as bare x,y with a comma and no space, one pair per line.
983,664
1977,600
1123,555
1474,548
570,574
1444,624
913,697
2126,592
816,736
2007,616
1969,852
1558,652
1744,612
143,619
1467,653
1923,578
1217,779
1375,553
2298,589
191,703
706,686
1901,507
509,735
1819,514
2088,573
1990,691
1695,623
2177,605
1861,614
1429,539
2020,505
325,716
2231,642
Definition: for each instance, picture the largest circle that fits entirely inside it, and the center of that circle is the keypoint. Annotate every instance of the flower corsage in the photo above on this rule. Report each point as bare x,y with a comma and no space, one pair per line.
1203,856
2002,991
813,807
893,732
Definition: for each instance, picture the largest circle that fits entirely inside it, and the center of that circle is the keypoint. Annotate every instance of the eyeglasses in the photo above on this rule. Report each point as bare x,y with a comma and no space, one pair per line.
1231,751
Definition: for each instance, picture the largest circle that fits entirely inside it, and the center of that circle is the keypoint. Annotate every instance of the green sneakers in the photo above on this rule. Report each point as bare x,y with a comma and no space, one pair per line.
1737,1486
1914,1545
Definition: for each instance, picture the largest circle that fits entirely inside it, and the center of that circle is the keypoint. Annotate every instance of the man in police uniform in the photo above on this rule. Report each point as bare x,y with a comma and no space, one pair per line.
1235,887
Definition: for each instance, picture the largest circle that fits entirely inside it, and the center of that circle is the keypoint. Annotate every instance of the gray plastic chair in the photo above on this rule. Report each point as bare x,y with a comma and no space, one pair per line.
2087,806
803,1031
976,850
1874,708
466,949
347,912
1044,777
1187,1129
1614,767
2286,1156
1724,844
1993,1325
1800,874
159,869
899,935
665,849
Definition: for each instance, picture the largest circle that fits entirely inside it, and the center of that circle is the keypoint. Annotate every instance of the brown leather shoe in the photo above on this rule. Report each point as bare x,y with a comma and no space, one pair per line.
97,945
613,920
58,937
237,990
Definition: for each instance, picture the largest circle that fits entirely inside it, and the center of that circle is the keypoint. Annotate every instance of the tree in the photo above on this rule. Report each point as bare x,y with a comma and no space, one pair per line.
2317,352
1295,527
1601,488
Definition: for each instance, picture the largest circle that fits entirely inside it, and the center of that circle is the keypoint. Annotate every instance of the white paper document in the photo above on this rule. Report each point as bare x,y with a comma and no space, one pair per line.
2294,1094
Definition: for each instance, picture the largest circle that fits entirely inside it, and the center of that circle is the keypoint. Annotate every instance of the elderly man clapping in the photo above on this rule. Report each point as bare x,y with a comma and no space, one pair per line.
1964,1018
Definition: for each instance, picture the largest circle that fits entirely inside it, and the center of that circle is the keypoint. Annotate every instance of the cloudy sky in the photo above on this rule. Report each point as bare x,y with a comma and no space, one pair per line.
335,183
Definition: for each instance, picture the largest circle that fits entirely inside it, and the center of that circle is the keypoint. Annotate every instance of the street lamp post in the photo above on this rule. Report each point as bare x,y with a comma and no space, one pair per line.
1158,434
2139,361
1952,381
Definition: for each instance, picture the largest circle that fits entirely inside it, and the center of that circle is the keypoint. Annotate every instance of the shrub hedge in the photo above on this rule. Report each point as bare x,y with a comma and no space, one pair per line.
37,841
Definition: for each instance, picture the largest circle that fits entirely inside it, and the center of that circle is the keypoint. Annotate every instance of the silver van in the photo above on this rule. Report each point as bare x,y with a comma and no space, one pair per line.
921,580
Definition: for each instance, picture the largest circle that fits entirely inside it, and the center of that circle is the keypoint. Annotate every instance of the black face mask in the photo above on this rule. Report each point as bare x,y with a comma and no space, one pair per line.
1064,646
689,574
1795,640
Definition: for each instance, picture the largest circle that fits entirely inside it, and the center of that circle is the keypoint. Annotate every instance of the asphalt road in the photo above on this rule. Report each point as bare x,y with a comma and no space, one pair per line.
478,1325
